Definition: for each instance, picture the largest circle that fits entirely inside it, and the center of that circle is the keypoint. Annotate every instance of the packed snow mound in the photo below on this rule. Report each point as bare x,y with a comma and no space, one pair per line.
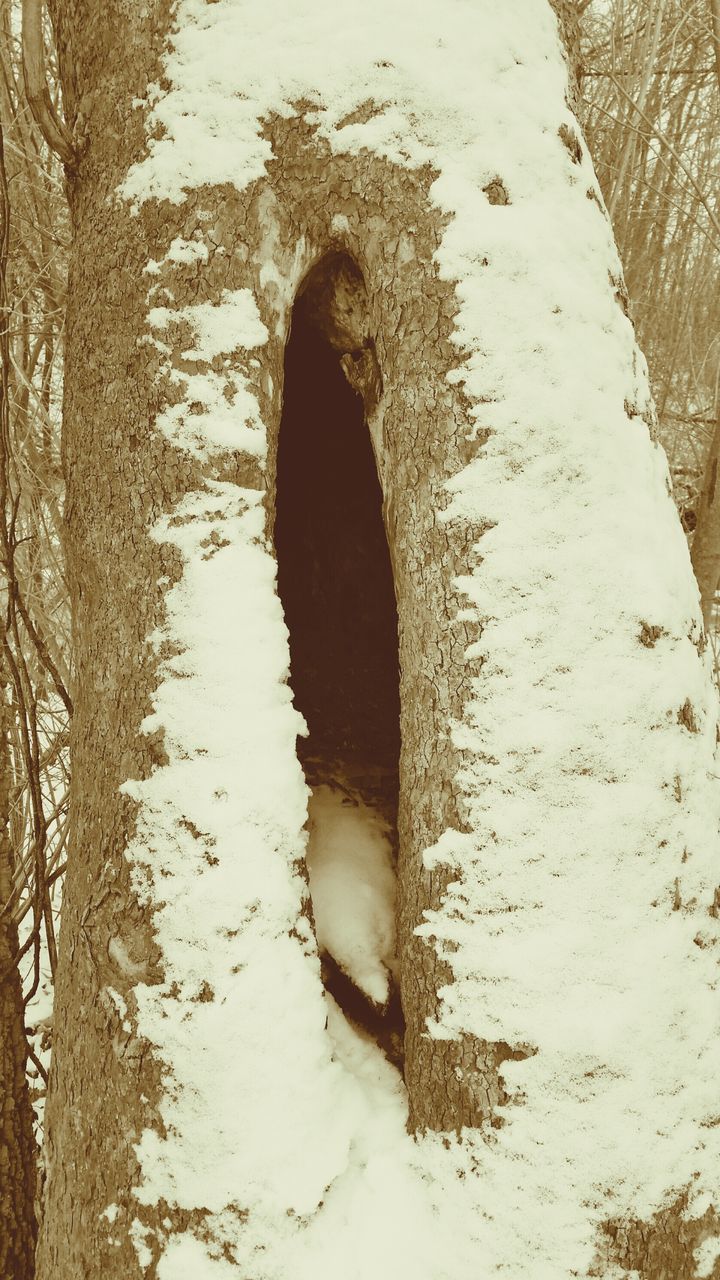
361,1056
352,886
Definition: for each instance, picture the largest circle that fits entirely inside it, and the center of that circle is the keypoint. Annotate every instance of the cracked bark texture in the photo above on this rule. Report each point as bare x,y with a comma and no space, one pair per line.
706,539
122,475
566,12
17,1141
119,474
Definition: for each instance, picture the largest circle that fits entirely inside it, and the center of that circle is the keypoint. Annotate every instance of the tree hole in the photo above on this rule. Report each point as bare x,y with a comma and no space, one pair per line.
336,585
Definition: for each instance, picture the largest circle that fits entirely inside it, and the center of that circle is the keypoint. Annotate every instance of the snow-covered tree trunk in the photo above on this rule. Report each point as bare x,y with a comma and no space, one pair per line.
706,539
17,1141
411,186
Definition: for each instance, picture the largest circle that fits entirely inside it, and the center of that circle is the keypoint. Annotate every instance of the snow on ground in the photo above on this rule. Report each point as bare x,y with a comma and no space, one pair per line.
352,886
578,921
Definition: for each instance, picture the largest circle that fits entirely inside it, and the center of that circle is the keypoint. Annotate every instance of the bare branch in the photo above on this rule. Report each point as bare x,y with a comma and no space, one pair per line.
663,138
715,16
51,126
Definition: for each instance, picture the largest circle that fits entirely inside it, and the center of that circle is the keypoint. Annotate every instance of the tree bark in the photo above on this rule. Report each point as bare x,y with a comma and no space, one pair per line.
17,1141
568,14
706,538
103,1083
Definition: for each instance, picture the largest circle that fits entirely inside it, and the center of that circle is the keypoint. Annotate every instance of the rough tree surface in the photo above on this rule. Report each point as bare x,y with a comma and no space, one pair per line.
17,1141
557,813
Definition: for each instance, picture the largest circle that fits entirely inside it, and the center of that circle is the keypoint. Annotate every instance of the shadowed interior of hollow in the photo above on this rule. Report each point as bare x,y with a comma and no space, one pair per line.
334,572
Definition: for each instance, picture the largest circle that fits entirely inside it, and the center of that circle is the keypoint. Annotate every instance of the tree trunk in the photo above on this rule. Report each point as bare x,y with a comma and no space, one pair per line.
706,538
179,1125
17,1141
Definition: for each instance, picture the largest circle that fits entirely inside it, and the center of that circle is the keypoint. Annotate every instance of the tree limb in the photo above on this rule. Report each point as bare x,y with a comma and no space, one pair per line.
715,16
51,126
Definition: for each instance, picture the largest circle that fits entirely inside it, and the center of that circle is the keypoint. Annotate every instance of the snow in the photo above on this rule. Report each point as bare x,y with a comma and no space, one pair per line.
181,251
138,1232
215,324
215,411
706,1256
352,887
239,986
577,921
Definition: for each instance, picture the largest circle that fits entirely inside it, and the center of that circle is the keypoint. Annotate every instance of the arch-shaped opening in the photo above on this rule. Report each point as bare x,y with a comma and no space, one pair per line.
335,575
334,570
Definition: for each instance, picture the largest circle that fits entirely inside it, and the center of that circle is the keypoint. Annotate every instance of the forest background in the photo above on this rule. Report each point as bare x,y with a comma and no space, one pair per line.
650,86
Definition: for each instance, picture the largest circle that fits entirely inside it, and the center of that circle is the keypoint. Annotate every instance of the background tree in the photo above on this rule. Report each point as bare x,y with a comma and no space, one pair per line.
35,607
653,124
17,1143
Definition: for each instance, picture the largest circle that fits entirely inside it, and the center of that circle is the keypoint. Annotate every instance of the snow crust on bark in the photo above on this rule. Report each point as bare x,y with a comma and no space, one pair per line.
579,923
212,414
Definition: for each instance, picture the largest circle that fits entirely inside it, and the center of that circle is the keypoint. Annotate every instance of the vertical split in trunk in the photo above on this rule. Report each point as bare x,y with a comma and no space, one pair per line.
336,584
334,572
